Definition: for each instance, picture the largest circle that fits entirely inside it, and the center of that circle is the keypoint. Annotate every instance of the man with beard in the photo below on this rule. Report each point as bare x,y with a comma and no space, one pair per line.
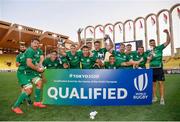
21,64
31,73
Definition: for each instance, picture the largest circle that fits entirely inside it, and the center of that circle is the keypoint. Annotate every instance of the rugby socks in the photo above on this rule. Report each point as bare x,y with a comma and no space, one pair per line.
20,99
37,94
28,99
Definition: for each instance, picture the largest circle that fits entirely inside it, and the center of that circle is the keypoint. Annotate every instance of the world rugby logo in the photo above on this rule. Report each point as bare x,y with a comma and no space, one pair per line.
141,82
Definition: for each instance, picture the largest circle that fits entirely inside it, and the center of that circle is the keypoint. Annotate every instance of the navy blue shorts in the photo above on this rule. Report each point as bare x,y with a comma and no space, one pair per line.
158,74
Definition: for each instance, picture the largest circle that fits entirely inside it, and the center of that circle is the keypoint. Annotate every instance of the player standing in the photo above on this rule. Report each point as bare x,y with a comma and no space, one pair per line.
21,64
30,74
155,58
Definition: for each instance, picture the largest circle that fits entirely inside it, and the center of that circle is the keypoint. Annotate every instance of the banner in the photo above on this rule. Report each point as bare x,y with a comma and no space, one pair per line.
172,71
98,87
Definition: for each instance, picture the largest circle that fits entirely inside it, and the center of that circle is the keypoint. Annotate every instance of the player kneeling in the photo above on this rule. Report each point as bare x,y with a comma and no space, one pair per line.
111,64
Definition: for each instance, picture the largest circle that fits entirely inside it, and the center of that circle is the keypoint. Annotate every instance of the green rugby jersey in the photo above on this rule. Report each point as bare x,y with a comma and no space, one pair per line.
138,57
107,65
49,64
120,58
99,54
74,60
130,56
34,55
62,60
87,62
157,56
20,58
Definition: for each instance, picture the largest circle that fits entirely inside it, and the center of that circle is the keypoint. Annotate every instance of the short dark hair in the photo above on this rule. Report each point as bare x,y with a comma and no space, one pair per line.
22,45
140,47
73,45
35,39
88,42
111,56
129,45
122,44
151,40
85,46
53,51
97,42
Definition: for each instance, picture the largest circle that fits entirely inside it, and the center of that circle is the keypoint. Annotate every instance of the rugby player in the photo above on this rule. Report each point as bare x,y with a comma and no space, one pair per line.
53,62
31,74
88,61
21,63
155,59
111,64
121,57
140,57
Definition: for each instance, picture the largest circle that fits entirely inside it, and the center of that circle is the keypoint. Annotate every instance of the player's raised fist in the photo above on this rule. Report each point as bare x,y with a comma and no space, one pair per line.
106,37
165,31
80,30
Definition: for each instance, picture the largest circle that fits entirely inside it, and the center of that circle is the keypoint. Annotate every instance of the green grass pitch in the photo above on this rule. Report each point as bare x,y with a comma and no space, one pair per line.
9,90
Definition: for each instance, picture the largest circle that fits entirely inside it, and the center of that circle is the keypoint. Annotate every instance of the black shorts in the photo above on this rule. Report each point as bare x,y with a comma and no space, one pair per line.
158,74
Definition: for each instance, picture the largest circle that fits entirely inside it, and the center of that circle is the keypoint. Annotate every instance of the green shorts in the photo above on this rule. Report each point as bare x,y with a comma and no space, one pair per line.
23,79
27,78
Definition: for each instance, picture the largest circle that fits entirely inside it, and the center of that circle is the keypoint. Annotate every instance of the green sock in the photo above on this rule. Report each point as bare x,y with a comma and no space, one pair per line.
28,98
37,94
20,99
